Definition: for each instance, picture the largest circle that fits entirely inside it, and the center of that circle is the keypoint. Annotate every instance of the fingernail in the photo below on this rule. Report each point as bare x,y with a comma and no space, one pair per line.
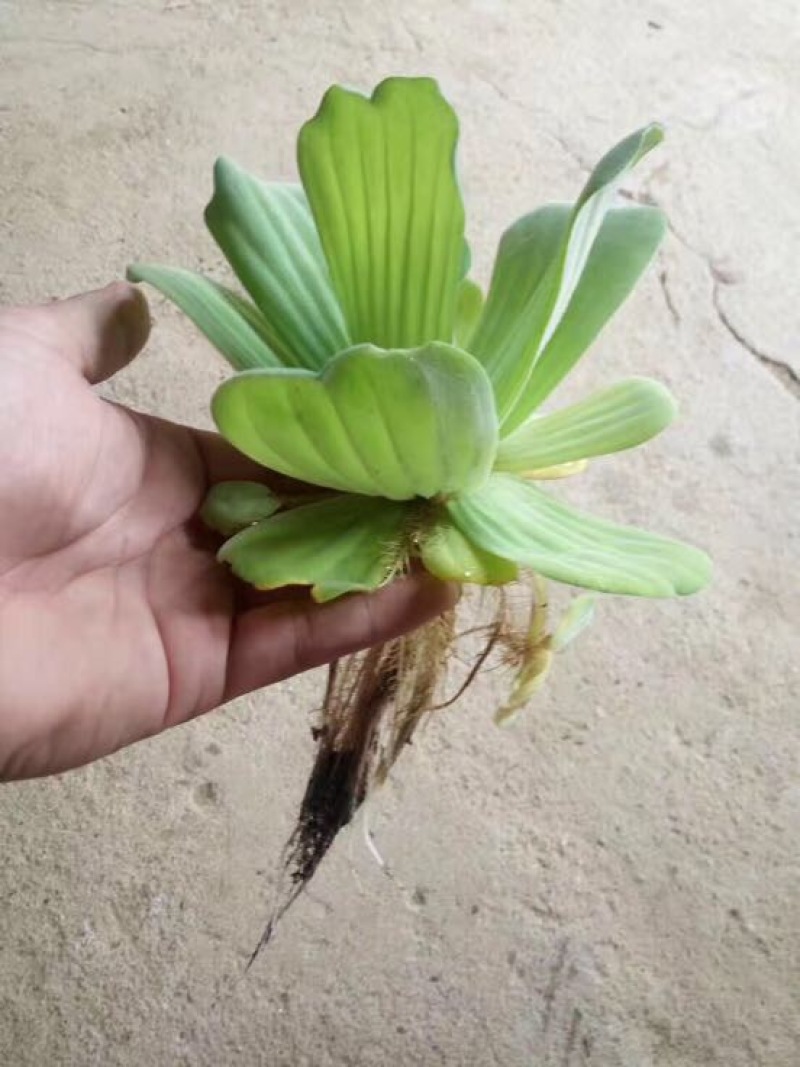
132,319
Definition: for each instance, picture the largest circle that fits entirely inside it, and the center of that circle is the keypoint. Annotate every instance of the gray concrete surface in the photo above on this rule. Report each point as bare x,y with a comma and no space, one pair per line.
612,882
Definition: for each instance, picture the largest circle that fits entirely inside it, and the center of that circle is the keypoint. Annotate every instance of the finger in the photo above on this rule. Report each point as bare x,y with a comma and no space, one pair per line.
275,642
248,597
100,332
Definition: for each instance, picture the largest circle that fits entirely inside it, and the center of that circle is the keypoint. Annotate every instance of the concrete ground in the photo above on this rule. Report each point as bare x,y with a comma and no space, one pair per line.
614,880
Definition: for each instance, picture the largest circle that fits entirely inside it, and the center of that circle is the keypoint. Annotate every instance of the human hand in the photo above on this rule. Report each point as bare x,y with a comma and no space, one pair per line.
116,621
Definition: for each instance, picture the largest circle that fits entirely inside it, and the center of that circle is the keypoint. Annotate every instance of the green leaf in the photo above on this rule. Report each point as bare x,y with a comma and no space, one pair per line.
596,198
392,424
230,506
342,545
466,259
520,298
230,323
468,312
628,239
518,521
538,658
539,265
573,622
380,177
268,236
611,420
451,556
530,678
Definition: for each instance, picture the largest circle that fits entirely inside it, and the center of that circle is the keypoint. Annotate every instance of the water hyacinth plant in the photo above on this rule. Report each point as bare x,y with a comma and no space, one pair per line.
370,367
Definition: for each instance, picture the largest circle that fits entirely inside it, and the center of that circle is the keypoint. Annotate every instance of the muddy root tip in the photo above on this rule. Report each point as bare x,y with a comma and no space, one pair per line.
266,937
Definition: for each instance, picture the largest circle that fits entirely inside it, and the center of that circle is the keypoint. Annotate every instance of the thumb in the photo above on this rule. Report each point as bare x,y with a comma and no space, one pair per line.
100,332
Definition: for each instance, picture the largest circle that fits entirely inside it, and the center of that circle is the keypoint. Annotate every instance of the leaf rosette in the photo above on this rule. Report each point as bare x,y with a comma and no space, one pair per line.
371,366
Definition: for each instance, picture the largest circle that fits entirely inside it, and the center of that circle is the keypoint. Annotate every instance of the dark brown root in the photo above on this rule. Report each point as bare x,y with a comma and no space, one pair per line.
374,703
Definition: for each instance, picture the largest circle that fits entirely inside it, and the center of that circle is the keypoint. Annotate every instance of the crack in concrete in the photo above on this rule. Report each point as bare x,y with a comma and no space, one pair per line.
86,46
786,375
663,281
485,79
408,26
567,149
553,984
572,1036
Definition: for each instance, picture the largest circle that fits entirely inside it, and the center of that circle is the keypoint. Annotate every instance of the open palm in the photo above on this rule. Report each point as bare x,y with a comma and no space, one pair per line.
116,621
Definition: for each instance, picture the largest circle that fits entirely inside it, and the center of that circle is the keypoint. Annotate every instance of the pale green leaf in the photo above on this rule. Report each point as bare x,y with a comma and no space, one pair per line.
341,545
520,297
596,198
539,265
468,312
557,473
529,680
573,622
230,506
518,521
268,236
380,177
610,420
230,323
450,555
400,424
466,259
628,239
